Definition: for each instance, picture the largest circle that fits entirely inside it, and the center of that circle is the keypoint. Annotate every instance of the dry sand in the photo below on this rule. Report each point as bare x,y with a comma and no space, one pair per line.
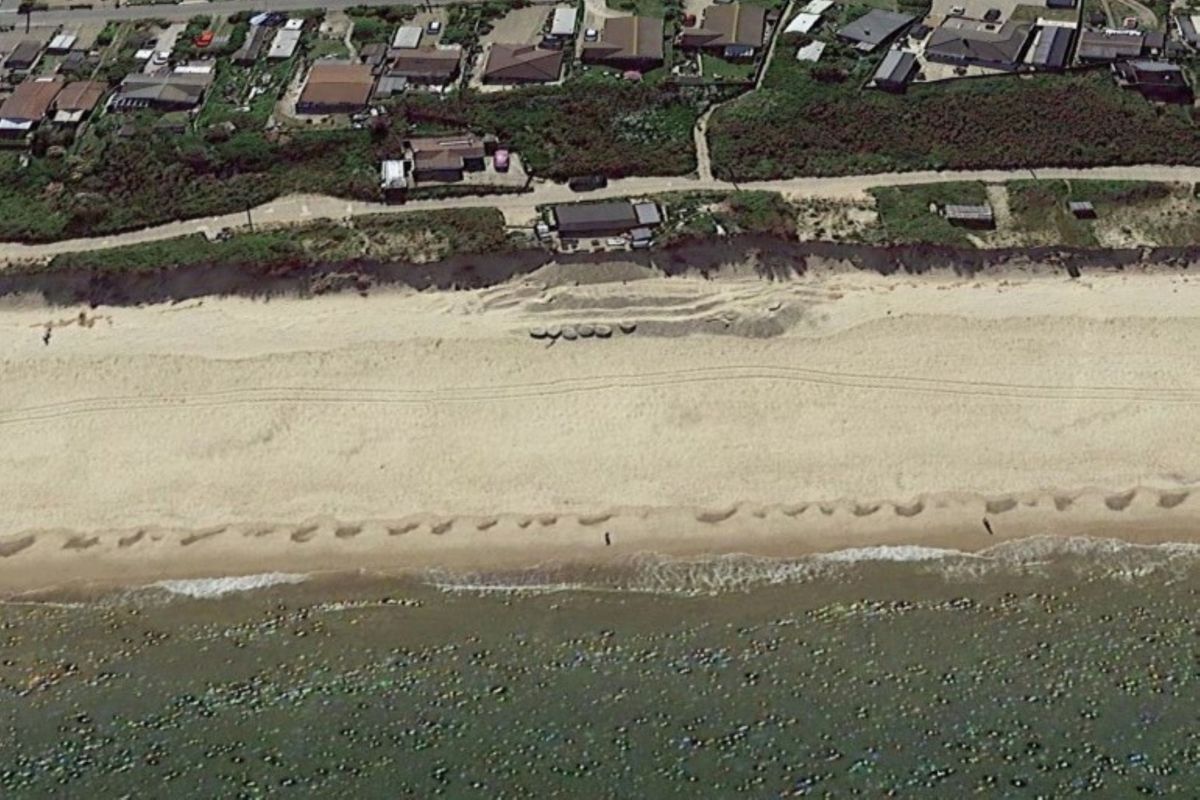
407,430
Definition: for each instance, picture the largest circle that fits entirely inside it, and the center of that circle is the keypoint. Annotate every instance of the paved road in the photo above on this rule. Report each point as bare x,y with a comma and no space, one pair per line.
185,11
521,209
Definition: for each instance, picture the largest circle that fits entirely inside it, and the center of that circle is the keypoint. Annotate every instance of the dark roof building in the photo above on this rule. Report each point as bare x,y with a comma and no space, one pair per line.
1098,46
1060,3
895,70
336,87
577,220
875,28
962,41
25,55
175,91
1052,48
735,30
446,158
627,43
1155,80
1187,30
509,63
429,66
256,41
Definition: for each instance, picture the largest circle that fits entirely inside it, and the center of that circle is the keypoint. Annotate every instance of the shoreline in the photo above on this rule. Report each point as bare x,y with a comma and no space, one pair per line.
233,436
508,542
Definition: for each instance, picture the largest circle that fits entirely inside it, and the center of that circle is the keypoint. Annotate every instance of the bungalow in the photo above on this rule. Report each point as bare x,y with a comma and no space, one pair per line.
24,56
615,218
424,66
336,87
971,43
1155,80
895,71
77,100
508,63
172,91
446,158
1052,48
28,105
252,47
627,43
874,29
284,45
1109,45
730,31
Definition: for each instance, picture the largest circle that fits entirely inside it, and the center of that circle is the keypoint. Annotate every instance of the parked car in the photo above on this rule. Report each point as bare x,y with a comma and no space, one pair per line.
500,161
204,39
160,58
434,28
587,183
591,35
957,11
689,20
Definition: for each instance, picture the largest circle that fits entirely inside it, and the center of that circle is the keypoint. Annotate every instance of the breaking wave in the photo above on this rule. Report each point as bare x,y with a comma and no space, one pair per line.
200,588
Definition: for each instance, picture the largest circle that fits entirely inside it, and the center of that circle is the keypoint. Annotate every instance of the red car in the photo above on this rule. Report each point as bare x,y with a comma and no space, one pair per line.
204,39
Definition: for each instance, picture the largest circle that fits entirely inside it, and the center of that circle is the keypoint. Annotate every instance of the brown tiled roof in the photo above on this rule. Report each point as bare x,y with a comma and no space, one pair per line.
31,99
426,62
508,62
627,38
736,24
80,96
445,152
338,83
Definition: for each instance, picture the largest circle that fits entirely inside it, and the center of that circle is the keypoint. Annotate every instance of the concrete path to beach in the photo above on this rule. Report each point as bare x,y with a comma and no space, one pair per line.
520,210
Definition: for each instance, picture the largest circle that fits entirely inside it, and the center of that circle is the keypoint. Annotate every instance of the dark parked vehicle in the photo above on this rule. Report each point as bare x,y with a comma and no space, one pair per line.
587,183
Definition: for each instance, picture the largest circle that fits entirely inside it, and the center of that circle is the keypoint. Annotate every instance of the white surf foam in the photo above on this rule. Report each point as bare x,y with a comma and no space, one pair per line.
216,587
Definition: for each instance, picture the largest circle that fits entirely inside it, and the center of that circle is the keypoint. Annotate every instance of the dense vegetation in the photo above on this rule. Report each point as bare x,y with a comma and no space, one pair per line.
814,119
417,236
596,124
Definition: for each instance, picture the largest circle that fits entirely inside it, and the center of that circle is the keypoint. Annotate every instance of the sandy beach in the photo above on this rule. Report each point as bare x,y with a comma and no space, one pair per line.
407,430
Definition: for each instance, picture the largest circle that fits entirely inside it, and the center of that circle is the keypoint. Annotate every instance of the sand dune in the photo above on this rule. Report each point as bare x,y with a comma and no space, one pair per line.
738,415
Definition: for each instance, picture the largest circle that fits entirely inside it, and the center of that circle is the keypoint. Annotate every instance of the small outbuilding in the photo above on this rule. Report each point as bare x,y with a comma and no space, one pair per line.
1082,209
895,71
969,216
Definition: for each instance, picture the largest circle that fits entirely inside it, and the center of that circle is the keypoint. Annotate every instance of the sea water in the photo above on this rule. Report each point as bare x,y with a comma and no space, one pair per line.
1046,668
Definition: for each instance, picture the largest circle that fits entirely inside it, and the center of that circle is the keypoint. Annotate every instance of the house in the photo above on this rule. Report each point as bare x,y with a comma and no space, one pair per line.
174,91
874,29
446,158
252,47
422,66
895,71
336,87
1109,45
582,220
28,105
77,100
407,37
24,56
284,45
627,43
1052,48
731,31
509,63
969,216
1155,80
562,23
971,43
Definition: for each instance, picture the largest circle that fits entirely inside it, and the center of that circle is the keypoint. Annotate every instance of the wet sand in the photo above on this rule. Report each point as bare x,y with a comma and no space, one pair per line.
409,430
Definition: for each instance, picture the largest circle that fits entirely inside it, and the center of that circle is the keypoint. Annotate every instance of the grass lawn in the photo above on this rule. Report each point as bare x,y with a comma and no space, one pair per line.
905,214
1033,13
642,8
719,69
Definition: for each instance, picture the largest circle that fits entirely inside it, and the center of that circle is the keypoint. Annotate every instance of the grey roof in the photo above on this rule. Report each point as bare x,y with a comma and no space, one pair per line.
562,23
897,66
586,217
958,211
1081,205
971,44
1187,29
647,213
1109,46
176,88
1052,48
26,52
875,27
